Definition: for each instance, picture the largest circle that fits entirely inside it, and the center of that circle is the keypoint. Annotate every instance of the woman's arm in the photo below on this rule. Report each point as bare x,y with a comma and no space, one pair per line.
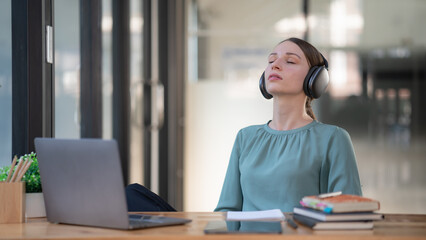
341,169
231,198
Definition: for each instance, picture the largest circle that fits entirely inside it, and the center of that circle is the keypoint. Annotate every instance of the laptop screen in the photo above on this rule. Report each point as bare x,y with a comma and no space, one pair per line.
82,182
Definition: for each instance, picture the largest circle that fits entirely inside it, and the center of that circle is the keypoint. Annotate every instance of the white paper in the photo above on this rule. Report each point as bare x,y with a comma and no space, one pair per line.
270,215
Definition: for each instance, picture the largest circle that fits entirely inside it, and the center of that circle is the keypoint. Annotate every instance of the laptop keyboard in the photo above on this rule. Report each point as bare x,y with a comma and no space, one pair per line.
145,220
138,220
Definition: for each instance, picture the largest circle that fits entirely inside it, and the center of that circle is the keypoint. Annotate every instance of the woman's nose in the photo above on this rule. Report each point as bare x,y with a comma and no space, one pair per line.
275,64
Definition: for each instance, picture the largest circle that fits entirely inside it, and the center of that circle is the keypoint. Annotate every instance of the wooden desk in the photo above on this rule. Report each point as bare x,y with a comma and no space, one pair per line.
395,226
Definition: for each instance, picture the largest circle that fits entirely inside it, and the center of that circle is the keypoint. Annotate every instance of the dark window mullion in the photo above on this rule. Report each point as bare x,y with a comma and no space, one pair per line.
163,75
91,68
147,92
31,78
172,48
19,77
121,79
49,80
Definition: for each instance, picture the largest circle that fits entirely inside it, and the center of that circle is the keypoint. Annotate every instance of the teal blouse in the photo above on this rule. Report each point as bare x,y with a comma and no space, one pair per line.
271,169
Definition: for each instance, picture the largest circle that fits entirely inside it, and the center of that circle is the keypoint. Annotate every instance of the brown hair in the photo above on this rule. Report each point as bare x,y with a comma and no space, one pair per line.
314,58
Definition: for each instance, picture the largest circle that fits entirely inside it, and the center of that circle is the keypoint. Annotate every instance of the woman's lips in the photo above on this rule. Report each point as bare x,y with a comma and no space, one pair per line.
274,77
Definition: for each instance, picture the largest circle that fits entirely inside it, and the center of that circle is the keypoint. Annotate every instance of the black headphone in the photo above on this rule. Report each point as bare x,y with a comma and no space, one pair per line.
315,83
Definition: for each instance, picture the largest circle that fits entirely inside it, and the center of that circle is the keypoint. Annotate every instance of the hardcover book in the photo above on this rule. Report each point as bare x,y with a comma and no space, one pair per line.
322,216
341,203
319,225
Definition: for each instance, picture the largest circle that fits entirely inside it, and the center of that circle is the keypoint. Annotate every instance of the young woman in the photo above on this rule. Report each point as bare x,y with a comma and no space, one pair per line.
275,164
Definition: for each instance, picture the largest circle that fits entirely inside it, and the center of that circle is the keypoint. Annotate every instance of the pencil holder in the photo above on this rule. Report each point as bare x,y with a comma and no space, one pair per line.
12,202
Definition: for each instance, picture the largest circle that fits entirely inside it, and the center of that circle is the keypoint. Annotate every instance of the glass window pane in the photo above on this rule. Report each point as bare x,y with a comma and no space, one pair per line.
67,68
5,83
136,127
107,69
136,114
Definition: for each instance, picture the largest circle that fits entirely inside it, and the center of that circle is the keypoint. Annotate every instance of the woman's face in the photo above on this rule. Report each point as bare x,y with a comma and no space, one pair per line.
286,71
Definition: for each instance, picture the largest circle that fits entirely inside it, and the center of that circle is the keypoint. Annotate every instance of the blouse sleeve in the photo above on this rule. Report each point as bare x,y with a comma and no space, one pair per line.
231,198
341,166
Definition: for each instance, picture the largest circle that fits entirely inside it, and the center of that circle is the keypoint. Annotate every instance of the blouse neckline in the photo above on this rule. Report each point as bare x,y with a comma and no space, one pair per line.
292,131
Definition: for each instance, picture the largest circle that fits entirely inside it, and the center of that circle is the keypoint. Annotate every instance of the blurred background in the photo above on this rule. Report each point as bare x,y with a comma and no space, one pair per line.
376,52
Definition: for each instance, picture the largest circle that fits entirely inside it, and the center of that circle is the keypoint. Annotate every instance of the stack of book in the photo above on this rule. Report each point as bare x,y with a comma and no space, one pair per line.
337,212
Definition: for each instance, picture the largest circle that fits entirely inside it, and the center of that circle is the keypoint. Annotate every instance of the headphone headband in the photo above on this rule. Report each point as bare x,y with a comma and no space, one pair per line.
325,61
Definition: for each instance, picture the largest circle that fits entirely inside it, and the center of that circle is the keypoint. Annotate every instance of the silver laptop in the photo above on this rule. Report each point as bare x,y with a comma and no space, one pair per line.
83,185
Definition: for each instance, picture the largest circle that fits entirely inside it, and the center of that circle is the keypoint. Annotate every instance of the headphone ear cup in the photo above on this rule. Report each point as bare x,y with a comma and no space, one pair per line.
316,81
308,80
262,86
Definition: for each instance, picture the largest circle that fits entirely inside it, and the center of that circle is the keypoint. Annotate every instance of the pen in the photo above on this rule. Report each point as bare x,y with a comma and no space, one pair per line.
9,176
291,223
27,165
18,168
326,195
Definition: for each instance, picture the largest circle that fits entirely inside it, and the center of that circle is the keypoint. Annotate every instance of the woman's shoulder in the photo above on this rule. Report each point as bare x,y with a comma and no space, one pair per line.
330,130
250,134
252,129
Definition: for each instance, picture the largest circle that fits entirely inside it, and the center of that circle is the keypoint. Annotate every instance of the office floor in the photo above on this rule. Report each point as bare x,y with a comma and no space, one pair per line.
393,174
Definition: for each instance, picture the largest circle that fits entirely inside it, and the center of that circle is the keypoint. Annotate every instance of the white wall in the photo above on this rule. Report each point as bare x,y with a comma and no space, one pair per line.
215,111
